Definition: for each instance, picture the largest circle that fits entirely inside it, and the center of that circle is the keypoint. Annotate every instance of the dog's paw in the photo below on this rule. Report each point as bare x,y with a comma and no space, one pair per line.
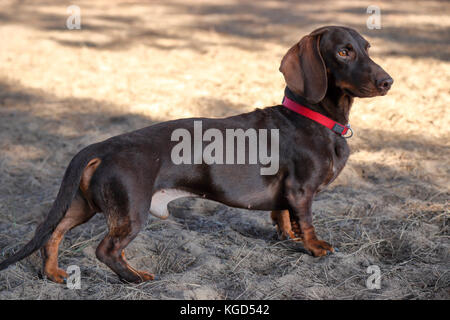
318,248
57,275
146,276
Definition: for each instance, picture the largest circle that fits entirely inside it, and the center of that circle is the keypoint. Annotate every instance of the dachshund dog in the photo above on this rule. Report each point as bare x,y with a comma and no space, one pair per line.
132,174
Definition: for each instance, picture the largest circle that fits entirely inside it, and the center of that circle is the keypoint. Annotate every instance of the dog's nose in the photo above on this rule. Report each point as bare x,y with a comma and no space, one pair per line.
385,84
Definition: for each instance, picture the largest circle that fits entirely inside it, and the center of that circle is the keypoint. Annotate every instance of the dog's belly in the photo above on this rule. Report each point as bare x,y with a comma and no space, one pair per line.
161,199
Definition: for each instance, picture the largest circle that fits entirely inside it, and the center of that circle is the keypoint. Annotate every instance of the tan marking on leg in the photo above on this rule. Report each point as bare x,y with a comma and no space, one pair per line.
78,213
317,247
50,252
284,227
108,254
144,275
296,229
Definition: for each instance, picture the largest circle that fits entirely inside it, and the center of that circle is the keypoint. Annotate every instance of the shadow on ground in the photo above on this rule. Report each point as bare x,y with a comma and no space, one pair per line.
272,22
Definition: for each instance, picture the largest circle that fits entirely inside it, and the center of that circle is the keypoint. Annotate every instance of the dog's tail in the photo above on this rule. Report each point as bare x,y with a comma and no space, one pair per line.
66,194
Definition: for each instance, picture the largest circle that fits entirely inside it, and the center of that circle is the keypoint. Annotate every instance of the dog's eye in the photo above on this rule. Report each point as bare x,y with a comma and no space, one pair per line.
343,52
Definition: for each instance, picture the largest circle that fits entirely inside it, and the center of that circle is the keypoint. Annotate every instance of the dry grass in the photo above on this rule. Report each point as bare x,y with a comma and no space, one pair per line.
135,63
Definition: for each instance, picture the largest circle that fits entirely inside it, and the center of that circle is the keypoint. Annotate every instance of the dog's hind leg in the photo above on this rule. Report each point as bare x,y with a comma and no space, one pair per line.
126,210
78,213
111,250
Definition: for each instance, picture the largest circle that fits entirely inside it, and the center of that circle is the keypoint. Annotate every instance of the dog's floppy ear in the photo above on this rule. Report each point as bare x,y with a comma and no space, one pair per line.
303,68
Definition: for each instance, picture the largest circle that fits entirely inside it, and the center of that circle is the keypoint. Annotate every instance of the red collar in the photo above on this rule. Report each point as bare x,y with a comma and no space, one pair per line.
317,117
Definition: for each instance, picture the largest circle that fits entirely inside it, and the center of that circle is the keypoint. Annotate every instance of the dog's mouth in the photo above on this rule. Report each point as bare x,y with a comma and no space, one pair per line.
383,92
360,94
366,91
349,92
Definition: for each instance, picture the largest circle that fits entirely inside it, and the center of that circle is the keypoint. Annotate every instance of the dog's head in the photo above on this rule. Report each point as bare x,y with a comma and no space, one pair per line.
333,56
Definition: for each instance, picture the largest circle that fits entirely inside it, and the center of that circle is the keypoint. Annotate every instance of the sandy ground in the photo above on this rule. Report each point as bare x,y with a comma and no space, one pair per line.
135,63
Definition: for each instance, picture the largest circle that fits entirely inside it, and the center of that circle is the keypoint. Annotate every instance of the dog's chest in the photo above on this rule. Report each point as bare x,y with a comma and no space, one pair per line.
337,159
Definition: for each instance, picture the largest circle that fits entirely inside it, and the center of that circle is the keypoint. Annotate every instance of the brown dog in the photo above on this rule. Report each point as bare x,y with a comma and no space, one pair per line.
129,175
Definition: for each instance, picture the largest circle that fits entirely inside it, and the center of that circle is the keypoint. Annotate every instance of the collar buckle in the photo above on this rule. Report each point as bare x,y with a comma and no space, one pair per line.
339,129
343,130
351,132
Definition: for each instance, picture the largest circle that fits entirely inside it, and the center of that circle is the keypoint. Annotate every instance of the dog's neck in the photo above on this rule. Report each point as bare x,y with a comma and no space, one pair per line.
335,105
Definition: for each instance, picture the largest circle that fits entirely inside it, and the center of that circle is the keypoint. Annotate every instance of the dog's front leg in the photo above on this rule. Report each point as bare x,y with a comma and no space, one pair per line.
301,203
287,227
